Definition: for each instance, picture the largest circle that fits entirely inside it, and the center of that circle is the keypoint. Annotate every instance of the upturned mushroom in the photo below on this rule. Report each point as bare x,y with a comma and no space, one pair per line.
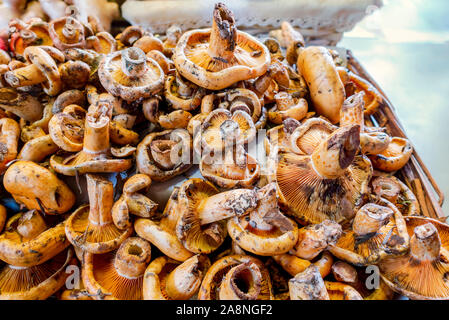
422,272
102,42
133,201
328,184
164,155
308,285
32,33
91,227
236,277
287,107
394,157
182,94
38,188
201,227
66,33
130,74
42,69
66,128
378,231
166,279
117,275
29,241
9,138
221,56
95,157
266,231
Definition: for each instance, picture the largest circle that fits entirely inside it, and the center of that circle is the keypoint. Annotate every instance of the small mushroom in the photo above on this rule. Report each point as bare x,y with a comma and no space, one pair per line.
173,33
202,210
148,43
394,157
422,272
164,155
166,279
9,138
378,231
308,285
293,40
266,231
279,136
129,74
182,94
102,42
344,272
67,98
221,56
66,128
133,201
91,227
74,74
130,35
397,192
313,239
342,291
38,188
38,149
328,184
239,277
66,33
165,63
117,275
294,265
42,69
34,33
287,107
22,104
178,119
28,241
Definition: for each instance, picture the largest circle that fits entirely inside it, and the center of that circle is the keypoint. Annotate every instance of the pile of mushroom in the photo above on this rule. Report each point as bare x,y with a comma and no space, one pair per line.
91,124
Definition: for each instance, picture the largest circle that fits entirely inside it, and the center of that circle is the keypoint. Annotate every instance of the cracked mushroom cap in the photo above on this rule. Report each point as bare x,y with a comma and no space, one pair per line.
166,279
328,184
394,157
9,139
221,56
266,231
422,272
164,155
28,241
130,74
36,282
201,227
378,231
221,129
117,275
237,277
38,188
91,227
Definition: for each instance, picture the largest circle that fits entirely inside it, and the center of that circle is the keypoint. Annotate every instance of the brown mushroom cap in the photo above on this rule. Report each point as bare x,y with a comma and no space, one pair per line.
218,57
117,275
130,74
422,272
243,284
394,157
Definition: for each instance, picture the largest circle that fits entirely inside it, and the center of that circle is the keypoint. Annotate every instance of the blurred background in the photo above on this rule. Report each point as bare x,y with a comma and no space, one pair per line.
405,47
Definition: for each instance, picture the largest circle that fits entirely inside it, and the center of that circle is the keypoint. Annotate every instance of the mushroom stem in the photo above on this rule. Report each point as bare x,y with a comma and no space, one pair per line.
352,111
223,35
96,132
28,36
331,158
425,244
370,218
132,257
25,76
69,30
242,282
31,224
183,282
101,198
134,62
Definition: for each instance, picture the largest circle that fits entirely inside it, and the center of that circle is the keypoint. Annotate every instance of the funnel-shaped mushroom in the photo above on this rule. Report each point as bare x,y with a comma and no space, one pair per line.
42,69
266,231
95,155
91,227
237,277
117,275
328,184
201,227
378,231
130,74
421,273
9,138
166,279
37,282
28,241
221,56
38,188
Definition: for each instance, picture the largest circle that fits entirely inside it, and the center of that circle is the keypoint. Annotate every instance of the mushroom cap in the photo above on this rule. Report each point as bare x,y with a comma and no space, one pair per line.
279,136
416,278
57,30
195,237
215,275
67,128
117,80
195,61
38,188
9,138
394,157
177,99
19,251
341,291
308,136
312,198
37,282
